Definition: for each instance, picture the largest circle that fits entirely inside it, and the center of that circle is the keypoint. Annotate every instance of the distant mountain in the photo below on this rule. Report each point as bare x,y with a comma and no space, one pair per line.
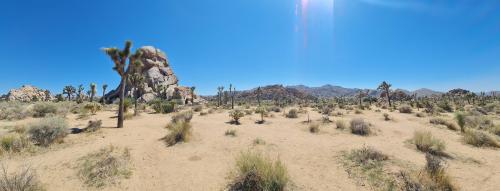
270,92
423,92
329,91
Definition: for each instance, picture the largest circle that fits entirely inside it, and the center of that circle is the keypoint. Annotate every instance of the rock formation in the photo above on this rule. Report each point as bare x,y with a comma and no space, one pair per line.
160,80
28,93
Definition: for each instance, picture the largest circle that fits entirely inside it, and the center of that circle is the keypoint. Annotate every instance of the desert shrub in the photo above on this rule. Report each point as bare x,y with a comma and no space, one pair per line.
203,113
495,130
275,109
179,132
420,115
360,127
105,166
48,130
259,141
182,116
42,109
386,117
357,111
326,111
292,113
256,172
367,164
93,126
93,107
340,124
211,110
263,113
14,143
338,113
248,112
230,132
236,114
425,142
478,122
326,119
432,178
479,139
197,108
13,111
441,121
162,106
127,104
128,116
405,109
314,128
445,105
366,156
22,180
460,117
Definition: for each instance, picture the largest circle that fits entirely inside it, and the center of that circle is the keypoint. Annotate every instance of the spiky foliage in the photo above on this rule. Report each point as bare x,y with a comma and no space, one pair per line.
69,91
259,94
192,94
262,111
119,58
79,94
93,91
460,117
385,87
104,87
136,79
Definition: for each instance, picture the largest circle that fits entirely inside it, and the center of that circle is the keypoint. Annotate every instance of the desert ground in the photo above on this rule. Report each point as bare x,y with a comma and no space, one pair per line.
313,160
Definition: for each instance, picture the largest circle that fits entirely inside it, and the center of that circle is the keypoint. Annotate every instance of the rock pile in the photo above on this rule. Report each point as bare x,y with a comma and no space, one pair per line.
28,93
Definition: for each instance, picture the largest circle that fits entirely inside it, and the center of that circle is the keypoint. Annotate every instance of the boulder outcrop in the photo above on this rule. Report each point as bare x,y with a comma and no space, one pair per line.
28,93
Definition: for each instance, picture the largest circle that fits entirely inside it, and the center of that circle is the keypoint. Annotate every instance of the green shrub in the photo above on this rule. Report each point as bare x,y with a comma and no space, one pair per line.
460,117
425,142
48,130
42,109
360,127
105,166
23,180
445,105
127,104
162,106
256,172
179,132
93,107
236,114
14,143
479,139
292,113
405,109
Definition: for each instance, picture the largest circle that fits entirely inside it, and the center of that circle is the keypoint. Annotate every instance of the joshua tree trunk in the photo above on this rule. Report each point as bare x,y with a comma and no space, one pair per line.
388,97
121,107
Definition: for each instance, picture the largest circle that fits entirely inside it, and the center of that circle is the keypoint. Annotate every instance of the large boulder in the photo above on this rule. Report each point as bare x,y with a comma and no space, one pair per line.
28,93
160,79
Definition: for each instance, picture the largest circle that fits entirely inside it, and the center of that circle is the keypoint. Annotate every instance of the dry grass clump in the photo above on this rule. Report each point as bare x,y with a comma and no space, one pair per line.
448,124
420,114
314,128
259,141
340,124
405,109
93,126
360,127
495,130
48,130
14,143
256,172
42,109
386,117
230,132
292,113
432,178
425,142
105,166
23,180
197,108
366,156
357,111
479,139
182,116
179,132
13,111
367,163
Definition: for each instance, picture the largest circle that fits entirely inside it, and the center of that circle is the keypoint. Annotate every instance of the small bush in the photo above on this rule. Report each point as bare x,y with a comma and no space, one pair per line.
405,109
48,130
340,124
13,111
162,106
42,109
203,113
211,110
93,107
197,108
259,141
275,109
236,114
14,143
93,126
386,117
230,132
248,112
357,111
366,156
183,116
360,127
367,164
479,139
23,180
496,130
256,172
179,132
433,177
425,142
314,128
420,115
445,105
105,167
460,117
448,124
292,113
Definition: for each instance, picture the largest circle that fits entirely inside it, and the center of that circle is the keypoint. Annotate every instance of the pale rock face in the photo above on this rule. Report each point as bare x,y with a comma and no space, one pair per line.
158,74
28,93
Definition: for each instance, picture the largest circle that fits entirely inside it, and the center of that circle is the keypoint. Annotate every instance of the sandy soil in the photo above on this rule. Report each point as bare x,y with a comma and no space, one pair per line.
204,163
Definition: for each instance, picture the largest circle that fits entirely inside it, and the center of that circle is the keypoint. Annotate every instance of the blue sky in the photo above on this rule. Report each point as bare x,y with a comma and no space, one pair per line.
352,43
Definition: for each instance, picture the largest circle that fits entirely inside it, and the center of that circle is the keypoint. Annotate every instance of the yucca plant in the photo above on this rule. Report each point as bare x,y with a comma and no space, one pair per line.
93,91
104,87
119,58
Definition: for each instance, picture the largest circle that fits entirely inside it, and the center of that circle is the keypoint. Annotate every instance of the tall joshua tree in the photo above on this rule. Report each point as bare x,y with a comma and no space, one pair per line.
69,90
220,90
104,87
385,87
232,92
93,91
259,92
80,94
192,94
119,58
137,81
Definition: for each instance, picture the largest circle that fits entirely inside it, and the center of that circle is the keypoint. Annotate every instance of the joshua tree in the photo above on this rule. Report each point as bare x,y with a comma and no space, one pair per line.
192,94
384,86
361,95
137,81
119,58
104,87
220,90
259,92
93,91
69,90
79,98
232,91
47,95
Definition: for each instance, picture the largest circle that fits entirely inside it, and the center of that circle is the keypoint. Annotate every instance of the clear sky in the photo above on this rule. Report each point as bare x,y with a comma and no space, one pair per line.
352,43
